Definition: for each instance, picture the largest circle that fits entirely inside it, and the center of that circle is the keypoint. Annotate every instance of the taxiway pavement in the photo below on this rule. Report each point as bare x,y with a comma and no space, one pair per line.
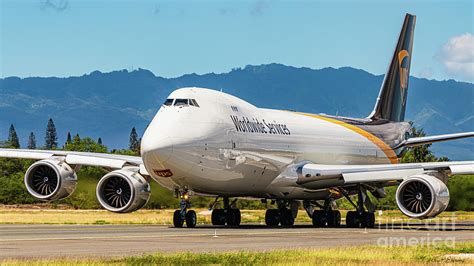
80,241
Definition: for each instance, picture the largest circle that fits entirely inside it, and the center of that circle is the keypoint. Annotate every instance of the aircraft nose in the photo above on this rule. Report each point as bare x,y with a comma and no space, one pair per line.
156,147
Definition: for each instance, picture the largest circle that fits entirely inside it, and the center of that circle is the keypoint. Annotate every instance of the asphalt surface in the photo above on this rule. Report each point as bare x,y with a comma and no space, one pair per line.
80,241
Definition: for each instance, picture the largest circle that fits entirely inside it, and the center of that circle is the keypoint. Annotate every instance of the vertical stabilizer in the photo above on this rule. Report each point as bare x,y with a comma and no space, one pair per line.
392,98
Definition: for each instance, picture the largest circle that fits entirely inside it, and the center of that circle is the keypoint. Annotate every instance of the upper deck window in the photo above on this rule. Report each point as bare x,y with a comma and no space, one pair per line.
168,102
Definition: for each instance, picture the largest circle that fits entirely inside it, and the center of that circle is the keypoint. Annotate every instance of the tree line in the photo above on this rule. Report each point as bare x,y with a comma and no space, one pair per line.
71,144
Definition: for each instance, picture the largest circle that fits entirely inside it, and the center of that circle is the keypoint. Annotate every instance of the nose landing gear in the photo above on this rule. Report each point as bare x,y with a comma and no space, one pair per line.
183,214
226,216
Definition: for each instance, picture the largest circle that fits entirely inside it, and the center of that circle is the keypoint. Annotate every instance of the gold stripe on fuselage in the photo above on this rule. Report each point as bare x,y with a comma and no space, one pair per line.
378,142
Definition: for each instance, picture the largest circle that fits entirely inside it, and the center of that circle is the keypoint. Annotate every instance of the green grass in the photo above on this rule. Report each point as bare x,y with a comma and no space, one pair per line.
361,255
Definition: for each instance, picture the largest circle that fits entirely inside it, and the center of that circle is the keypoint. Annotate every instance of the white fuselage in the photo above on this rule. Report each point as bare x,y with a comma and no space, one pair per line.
228,147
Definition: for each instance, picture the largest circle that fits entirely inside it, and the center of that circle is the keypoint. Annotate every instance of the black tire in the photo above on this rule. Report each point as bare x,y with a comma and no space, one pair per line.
233,217
334,218
318,218
239,217
191,219
286,218
351,219
218,217
178,221
272,217
358,220
230,217
368,220
291,219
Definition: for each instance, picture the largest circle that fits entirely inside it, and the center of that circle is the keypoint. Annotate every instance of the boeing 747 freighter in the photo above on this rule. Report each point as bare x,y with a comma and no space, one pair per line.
210,143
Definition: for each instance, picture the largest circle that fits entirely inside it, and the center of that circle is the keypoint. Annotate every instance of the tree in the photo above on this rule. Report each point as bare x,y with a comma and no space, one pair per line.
68,139
3,144
13,138
76,139
86,144
12,186
421,153
32,141
99,141
51,137
134,143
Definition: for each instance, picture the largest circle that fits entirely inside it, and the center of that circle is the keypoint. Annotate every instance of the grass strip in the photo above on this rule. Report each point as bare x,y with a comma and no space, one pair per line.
356,255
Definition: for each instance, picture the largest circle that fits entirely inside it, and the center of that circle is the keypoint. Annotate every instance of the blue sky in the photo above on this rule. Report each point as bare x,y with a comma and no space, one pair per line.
171,38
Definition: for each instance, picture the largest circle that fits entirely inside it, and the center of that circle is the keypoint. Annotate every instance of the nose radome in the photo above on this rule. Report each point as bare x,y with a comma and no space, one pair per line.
156,147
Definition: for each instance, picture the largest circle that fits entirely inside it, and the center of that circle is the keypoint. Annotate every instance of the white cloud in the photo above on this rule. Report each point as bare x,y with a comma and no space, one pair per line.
457,56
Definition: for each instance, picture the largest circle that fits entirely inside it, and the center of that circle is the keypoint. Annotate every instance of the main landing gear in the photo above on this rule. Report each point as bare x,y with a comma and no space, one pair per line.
325,217
183,214
285,214
226,216
361,218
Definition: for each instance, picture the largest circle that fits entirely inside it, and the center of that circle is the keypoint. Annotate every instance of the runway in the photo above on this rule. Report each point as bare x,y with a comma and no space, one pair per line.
53,241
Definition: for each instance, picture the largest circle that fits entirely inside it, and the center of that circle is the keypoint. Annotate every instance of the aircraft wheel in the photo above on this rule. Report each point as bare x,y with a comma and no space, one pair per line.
218,217
368,219
351,219
191,219
233,217
286,217
334,218
319,218
272,217
178,221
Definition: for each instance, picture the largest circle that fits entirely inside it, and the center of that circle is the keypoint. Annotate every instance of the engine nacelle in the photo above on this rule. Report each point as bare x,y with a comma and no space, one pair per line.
422,196
123,190
50,179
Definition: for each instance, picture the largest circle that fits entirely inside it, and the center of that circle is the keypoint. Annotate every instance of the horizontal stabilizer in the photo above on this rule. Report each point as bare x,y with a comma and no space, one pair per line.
430,139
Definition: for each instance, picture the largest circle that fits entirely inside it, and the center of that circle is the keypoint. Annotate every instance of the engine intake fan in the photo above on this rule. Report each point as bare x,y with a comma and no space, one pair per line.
422,196
50,179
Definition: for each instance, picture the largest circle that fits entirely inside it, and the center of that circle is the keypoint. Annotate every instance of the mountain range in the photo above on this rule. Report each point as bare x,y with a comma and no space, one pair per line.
108,105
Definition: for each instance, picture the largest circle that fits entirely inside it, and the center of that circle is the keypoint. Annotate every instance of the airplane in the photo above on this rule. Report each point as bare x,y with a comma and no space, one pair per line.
207,142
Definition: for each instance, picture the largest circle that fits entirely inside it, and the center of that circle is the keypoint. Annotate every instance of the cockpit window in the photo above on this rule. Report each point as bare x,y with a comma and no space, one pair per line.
181,102
168,102
193,102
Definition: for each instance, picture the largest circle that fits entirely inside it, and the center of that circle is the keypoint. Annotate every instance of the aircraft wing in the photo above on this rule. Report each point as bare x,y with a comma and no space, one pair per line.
112,161
353,174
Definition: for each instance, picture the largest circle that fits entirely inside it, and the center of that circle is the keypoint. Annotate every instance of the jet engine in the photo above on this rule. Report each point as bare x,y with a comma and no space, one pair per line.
50,179
422,196
123,190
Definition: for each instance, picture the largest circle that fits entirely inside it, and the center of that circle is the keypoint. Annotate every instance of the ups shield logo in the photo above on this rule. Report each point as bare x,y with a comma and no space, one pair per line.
403,70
